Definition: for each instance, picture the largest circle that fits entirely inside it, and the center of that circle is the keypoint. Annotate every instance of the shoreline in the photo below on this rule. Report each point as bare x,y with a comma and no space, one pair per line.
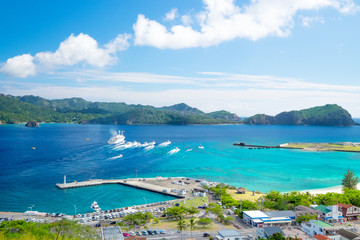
333,189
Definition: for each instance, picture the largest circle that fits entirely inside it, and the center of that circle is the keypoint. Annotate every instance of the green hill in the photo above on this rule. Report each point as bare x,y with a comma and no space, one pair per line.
328,115
77,110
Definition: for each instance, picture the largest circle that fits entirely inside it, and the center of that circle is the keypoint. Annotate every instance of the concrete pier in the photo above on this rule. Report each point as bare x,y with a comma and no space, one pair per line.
149,184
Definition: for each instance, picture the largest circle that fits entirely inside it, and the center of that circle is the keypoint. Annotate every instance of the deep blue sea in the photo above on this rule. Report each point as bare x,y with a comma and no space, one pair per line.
28,176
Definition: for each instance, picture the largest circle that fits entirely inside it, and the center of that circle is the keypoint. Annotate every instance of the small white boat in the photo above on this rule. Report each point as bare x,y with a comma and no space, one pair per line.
188,150
165,144
95,206
117,138
201,147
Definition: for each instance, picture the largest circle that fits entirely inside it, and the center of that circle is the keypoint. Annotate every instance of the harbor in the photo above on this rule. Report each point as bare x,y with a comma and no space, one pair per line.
179,187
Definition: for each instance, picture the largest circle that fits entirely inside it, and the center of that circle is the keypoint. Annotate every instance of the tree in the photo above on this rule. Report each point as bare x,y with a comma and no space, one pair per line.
181,226
306,218
204,221
192,225
350,180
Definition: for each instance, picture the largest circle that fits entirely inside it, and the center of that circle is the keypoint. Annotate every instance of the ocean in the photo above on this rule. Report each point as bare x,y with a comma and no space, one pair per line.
28,176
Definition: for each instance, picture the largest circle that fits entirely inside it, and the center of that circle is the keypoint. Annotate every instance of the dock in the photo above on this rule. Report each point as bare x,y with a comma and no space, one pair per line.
161,185
254,146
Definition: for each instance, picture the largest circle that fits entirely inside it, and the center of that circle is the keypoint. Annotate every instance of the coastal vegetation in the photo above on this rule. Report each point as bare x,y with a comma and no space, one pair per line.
328,115
64,230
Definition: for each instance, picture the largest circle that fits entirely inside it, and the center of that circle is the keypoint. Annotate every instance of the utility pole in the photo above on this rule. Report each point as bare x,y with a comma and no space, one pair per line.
75,209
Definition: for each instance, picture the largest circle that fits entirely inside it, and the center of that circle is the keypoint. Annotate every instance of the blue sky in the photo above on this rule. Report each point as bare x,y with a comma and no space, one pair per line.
243,56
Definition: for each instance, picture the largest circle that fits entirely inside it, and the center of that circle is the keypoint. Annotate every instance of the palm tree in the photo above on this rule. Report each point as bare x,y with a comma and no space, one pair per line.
350,180
181,226
192,225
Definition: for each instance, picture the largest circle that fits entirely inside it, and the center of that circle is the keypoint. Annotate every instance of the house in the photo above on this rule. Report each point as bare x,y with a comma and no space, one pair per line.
182,192
330,213
228,235
314,227
348,235
321,237
111,233
266,232
350,212
199,192
241,190
302,210
271,218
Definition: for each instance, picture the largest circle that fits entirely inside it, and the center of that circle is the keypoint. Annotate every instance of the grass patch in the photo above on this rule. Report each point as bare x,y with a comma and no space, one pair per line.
194,202
247,196
172,224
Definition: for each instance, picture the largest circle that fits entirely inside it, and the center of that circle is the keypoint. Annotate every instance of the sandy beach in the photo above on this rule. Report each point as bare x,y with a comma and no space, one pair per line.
335,189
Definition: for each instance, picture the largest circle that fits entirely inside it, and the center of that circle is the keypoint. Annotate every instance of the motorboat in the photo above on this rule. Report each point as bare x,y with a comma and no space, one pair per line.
117,138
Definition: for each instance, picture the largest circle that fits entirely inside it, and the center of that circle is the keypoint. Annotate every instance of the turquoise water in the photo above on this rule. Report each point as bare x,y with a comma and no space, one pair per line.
28,176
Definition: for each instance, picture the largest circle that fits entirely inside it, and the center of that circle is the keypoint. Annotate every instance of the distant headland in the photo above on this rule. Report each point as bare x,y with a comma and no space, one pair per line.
20,109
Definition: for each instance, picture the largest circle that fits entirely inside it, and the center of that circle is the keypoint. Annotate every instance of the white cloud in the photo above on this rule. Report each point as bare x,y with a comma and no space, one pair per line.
186,20
19,66
74,50
222,20
171,15
307,21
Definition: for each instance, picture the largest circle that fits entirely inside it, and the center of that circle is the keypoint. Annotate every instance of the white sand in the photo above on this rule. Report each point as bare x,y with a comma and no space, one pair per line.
335,189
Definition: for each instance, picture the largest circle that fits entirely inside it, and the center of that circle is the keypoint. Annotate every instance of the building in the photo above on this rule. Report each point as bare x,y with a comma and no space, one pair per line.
321,237
266,232
348,235
111,233
314,227
228,235
199,192
302,210
350,212
241,190
272,218
330,213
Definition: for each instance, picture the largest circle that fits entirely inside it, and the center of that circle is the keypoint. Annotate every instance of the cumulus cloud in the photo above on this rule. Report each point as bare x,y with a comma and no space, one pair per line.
223,20
74,50
20,66
171,15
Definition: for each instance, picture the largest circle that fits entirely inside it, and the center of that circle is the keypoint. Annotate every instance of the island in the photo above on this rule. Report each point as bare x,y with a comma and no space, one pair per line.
327,115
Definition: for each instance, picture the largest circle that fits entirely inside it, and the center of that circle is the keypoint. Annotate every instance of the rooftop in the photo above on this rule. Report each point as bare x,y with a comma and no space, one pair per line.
322,208
321,237
281,214
348,234
229,233
321,224
344,205
111,233
256,214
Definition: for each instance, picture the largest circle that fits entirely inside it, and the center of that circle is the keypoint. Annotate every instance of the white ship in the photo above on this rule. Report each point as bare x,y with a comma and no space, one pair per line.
117,138
95,206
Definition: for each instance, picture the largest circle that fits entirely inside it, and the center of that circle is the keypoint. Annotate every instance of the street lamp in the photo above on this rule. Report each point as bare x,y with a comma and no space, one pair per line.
31,207
75,209
145,200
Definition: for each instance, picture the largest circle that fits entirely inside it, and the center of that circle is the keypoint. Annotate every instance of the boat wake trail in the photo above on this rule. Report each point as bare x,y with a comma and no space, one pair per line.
116,157
175,150
164,144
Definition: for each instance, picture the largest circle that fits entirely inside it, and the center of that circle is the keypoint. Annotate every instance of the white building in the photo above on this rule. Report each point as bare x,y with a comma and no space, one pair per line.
272,218
314,227
228,235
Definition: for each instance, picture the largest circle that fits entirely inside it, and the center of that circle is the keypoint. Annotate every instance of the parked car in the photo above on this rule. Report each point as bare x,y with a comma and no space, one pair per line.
206,235
144,233
138,233
126,234
162,232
